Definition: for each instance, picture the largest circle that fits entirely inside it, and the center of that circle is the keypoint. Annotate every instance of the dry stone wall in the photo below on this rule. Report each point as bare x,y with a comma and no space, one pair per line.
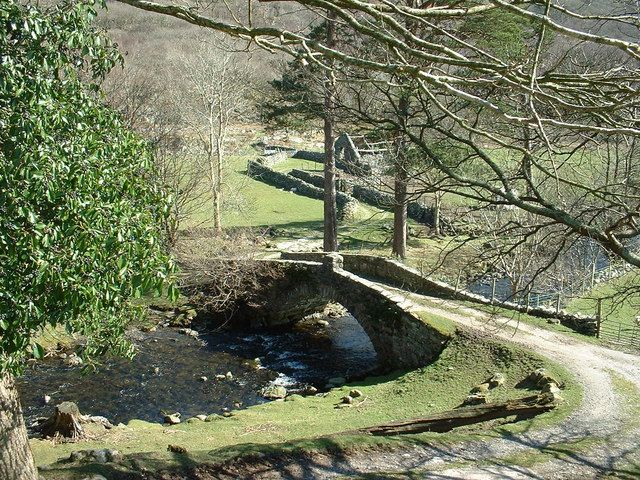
415,210
345,204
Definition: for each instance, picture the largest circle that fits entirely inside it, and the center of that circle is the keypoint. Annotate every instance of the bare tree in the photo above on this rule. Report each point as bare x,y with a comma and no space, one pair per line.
218,86
142,102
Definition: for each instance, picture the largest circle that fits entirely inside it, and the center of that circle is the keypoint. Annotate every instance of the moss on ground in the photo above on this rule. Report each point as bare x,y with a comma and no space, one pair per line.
314,423
443,325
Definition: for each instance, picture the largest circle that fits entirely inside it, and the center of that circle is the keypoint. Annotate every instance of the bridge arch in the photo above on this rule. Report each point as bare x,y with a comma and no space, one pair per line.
402,337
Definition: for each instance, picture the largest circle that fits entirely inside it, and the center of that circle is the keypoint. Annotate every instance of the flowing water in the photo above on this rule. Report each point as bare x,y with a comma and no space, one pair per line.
166,372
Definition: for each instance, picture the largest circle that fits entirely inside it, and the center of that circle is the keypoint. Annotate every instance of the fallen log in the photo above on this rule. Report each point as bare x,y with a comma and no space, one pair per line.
526,407
65,422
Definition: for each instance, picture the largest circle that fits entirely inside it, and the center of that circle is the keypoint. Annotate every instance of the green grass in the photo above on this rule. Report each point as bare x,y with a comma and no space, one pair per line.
619,303
299,164
509,319
627,390
312,423
255,203
441,324
514,318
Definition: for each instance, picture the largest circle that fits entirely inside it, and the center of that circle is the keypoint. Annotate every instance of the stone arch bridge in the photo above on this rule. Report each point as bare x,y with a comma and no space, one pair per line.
403,338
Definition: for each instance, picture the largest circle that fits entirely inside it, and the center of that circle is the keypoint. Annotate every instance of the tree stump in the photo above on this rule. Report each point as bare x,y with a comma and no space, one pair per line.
65,422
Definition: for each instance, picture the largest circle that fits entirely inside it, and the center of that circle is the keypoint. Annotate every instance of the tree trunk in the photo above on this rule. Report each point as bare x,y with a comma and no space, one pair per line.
526,407
65,422
330,214
16,460
400,226
217,200
527,161
400,212
437,207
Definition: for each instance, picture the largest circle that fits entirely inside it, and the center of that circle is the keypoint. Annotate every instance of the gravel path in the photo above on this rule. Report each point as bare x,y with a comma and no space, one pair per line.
601,416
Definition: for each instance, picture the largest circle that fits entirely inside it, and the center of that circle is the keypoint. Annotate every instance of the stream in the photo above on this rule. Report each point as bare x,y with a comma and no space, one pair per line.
166,373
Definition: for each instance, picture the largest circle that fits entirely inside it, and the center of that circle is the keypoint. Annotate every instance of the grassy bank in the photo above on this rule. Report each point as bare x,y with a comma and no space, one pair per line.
311,423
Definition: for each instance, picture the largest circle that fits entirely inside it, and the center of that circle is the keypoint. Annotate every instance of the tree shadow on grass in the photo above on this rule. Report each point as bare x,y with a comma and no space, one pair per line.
603,455
333,456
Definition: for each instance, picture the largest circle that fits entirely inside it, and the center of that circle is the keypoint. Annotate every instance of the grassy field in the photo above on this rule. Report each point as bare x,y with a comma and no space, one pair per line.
289,217
620,299
311,423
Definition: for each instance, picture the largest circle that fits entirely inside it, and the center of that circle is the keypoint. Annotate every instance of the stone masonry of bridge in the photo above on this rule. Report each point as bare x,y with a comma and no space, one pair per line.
402,338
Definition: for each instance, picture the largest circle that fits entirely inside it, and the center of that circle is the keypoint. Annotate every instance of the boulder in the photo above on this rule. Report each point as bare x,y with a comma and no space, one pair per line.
551,387
172,418
348,399
274,392
73,360
203,378
474,399
212,418
355,393
228,376
180,320
309,390
497,380
257,364
189,332
221,377
191,313
482,388
176,449
98,420
202,418
539,378
334,310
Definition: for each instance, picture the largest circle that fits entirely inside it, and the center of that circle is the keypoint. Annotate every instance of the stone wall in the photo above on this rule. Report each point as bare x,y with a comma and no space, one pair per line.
312,178
345,204
311,156
342,185
408,278
415,211
360,169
